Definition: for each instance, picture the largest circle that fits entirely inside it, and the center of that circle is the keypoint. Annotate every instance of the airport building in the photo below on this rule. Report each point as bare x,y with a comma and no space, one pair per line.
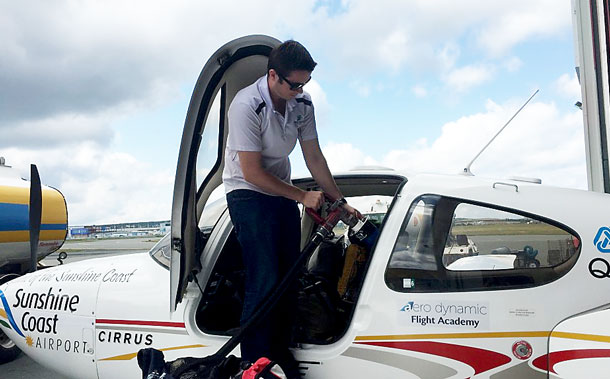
129,229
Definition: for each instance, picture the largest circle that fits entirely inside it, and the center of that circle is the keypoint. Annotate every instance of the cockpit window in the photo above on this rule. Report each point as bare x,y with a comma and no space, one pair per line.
489,239
208,155
414,247
161,252
450,245
211,214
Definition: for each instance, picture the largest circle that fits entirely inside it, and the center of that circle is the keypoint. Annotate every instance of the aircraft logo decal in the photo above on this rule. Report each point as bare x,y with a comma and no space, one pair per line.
407,307
447,313
601,270
7,314
45,325
602,240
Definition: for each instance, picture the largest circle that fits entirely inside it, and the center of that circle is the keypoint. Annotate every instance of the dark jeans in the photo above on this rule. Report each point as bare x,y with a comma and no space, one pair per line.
268,229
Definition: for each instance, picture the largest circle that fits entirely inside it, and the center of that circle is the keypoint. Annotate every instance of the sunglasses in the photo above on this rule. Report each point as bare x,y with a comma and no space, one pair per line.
294,86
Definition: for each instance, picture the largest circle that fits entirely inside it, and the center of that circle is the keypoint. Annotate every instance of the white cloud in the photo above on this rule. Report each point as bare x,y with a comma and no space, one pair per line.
540,142
419,91
100,186
344,156
58,130
463,78
513,64
362,89
68,57
414,34
320,102
72,69
568,86
448,55
394,49
521,20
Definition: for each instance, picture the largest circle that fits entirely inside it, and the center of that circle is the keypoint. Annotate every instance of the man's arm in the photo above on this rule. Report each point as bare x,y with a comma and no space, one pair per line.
316,163
251,166
318,167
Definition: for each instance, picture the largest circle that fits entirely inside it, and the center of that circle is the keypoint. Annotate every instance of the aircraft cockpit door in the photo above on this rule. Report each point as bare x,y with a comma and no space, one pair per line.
231,68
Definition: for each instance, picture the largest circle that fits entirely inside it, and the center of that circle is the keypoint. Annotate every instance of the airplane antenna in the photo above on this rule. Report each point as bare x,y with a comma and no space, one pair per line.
467,168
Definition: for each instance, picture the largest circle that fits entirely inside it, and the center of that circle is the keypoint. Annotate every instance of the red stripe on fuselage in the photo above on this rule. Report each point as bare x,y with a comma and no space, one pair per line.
568,355
480,360
140,322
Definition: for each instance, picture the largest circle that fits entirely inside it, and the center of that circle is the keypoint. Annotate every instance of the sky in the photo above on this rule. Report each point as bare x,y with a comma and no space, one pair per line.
95,93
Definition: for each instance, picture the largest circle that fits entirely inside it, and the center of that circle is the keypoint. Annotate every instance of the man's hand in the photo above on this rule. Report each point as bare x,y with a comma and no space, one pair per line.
352,211
312,199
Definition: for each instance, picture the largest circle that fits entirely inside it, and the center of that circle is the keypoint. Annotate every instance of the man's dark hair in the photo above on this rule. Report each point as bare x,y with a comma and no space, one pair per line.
290,56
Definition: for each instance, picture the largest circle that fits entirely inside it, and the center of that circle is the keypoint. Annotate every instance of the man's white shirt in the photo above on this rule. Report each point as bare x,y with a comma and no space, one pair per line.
255,126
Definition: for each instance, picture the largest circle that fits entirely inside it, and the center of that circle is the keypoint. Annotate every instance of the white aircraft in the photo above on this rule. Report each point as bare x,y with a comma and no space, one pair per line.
403,312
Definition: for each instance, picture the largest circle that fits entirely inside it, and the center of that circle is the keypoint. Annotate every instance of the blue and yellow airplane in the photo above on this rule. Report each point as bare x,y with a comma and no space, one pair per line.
14,221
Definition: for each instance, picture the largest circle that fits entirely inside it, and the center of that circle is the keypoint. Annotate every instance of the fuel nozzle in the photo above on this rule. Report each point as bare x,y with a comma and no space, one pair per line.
362,231
334,213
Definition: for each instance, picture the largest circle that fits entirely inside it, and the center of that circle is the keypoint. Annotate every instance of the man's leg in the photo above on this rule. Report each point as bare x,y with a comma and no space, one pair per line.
256,225
289,247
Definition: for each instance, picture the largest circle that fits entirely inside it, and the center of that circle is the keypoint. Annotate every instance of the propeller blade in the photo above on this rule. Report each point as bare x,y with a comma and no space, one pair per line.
35,215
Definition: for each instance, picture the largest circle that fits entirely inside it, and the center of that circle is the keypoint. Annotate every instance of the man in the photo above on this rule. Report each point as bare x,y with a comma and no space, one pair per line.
265,121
